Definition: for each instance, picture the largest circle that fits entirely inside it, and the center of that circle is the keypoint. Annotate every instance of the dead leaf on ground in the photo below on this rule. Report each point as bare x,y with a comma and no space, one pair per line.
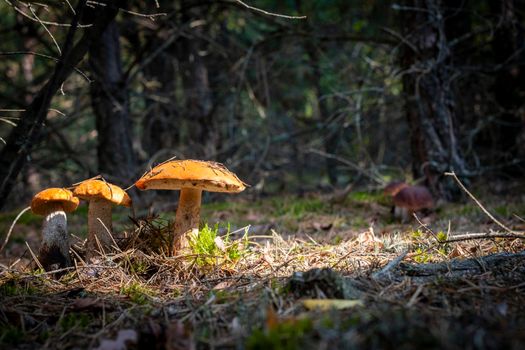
458,251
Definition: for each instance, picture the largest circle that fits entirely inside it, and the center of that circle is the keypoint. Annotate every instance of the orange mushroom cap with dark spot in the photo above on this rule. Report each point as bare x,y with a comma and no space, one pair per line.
392,188
52,197
414,198
98,189
198,174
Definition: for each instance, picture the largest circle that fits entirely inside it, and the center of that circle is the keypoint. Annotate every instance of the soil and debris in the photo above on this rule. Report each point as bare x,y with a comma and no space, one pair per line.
405,286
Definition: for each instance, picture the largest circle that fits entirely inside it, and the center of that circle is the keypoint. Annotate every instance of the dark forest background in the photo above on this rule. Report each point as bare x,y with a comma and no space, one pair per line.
356,92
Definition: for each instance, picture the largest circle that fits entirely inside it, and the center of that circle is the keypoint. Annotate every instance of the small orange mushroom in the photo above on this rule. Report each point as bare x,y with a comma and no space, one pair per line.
101,196
54,203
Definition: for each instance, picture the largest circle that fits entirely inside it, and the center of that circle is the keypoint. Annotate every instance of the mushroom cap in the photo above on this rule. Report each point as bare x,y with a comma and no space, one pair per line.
52,197
392,188
98,189
199,174
414,198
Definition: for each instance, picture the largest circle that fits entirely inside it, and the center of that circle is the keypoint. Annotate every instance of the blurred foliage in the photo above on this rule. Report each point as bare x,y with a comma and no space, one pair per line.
240,87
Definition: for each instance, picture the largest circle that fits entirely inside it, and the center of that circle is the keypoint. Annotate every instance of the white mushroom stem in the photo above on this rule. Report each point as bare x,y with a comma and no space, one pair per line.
187,217
100,227
55,242
403,213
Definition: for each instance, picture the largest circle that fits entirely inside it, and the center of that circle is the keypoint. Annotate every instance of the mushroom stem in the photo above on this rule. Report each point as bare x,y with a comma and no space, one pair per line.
55,242
99,223
187,217
403,213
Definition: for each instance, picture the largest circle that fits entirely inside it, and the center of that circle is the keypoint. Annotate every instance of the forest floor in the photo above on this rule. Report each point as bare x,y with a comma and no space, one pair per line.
287,272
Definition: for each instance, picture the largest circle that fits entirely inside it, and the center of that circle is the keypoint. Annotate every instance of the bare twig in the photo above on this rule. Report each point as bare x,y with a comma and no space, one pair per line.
428,229
151,16
385,271
45,28
499,223
474,236
17,9
12,53
268,13
35,258
359,169
12,226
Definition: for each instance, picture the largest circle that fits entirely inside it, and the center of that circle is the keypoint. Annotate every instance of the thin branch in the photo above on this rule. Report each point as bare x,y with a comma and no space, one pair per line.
385,271
17,9
268,13
475,236
71,7
349,163
13,53
12,226
151,16
425,226
500,224
45,28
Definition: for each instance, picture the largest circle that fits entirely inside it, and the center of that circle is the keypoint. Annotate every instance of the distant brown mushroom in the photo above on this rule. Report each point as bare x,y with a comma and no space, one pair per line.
191,177
412,199
101,196
392,188
54,203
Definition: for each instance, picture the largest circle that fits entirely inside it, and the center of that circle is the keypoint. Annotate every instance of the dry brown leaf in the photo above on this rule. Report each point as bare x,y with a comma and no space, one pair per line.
458,251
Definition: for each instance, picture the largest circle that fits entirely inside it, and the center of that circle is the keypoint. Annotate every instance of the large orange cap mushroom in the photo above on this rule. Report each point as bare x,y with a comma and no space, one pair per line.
191,177
198,174
54,203
101,195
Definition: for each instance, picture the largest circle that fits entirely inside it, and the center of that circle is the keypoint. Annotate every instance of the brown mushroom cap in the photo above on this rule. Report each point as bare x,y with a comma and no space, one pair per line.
98,189
198,174
414,198
392,188
52,197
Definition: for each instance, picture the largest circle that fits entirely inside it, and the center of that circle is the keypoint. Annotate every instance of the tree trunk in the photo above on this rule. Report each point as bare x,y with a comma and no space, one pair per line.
199,100
25,135
430,99
159,126
109,99
198,95
509,86
332,134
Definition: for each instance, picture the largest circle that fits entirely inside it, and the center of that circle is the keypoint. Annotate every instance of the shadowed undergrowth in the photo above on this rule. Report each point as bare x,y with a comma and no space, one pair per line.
238,287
